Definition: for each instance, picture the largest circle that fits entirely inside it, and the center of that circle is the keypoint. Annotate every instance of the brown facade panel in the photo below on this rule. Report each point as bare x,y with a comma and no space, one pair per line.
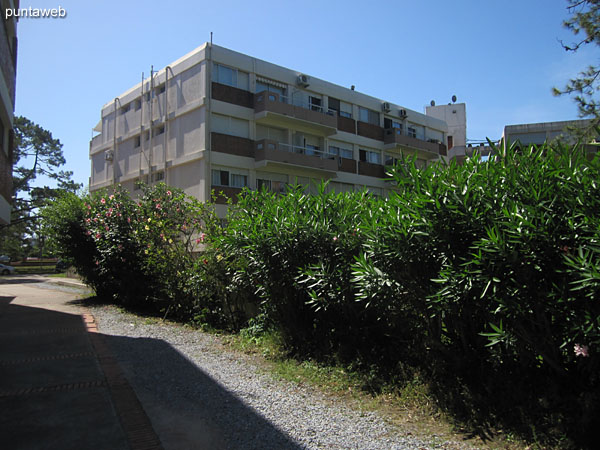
7,60
346,124
347,165
442,150
370,169
233,145
223,193
233,95
370,131
5,176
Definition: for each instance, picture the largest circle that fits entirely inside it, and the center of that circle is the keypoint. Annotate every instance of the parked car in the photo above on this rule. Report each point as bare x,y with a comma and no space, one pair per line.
6,270
4,259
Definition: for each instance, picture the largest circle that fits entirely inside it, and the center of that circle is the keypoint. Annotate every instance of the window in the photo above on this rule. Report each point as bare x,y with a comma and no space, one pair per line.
390,123
159,90
158,131
158,176
266,87
366,115
138,104
230,125
343,109
370,156
230,77
125,108
222,177
275,182
137,141
271,185
147,136
313,150
238,180
411,131
342,152
315,103
391,160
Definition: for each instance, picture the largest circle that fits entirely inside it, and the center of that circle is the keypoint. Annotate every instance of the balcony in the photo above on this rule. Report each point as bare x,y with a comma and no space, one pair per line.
270,152
371,169
394,139
233,145
273,109
232,95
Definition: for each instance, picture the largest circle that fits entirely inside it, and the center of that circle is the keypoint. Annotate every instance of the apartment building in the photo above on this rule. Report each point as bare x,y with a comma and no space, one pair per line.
220,120
8,60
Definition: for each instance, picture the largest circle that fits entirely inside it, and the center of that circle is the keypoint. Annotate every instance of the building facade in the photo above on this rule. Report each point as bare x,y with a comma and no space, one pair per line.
538,133
220,120
8,62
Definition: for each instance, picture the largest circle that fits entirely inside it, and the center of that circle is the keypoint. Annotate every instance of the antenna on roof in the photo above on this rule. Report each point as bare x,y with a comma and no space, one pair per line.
454,99
211,38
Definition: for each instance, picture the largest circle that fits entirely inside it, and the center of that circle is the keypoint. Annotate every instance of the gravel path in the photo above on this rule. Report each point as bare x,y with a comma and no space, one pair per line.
199,395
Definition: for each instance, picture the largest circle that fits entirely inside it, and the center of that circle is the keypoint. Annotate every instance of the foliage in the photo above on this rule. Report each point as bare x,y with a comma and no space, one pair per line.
143,254
483,279
585,24
36,154
485,274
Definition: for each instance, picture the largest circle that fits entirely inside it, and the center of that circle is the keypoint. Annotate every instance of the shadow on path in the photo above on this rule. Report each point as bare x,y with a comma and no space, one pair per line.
54,393
188,408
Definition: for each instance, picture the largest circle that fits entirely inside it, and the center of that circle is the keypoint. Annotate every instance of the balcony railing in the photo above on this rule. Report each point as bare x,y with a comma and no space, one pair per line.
395,136
281,110
313,157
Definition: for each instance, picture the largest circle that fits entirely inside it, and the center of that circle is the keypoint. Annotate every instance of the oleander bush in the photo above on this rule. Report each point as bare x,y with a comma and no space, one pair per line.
483,278
144,254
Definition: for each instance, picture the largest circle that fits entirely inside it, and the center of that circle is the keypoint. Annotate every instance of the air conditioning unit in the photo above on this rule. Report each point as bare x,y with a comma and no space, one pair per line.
386,107
303,80
403,113
108,155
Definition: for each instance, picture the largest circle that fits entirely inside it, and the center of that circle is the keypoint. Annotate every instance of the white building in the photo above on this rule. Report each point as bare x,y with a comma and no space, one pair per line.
222,120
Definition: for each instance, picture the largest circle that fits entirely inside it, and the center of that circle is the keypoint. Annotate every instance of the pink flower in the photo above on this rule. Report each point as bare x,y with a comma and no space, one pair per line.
202,237
129,220
111,197
106,228
334,238
198,241
581,350
102,201
88,232
98,235
205,261
168,192
158,206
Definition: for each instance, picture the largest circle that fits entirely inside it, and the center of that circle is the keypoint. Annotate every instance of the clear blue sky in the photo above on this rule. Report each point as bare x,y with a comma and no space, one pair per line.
499,57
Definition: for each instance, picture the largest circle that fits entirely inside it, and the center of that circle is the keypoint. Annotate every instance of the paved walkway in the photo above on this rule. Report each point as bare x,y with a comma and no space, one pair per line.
60,387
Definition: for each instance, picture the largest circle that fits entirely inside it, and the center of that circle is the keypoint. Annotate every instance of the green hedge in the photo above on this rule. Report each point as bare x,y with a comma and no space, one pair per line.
482,277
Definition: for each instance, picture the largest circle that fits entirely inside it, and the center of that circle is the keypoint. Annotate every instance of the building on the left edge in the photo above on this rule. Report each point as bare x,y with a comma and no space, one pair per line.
8,74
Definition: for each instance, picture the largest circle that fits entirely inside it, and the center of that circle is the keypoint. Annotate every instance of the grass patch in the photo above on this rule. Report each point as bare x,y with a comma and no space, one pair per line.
410,406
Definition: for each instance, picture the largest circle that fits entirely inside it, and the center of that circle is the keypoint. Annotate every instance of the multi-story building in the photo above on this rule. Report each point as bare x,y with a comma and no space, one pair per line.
8,62
221,120
538,133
